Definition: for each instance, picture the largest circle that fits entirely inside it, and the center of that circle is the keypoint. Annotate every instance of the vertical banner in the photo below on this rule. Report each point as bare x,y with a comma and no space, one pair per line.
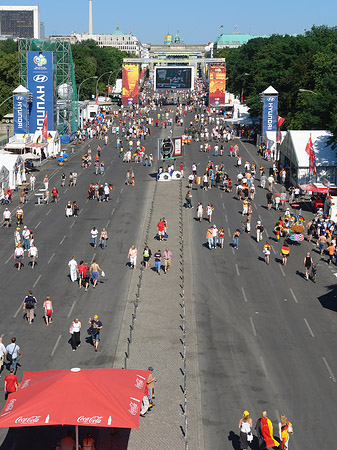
20,114
130,83
177,147
269,122
40,77
217,84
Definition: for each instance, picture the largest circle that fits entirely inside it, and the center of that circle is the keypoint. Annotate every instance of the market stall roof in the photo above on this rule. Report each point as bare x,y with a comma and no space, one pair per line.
318,187
30,155
37,145
10,160
88,397
294,144
13,146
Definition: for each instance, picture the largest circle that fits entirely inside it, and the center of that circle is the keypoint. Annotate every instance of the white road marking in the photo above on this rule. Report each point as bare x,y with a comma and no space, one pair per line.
221,194
18,310
309,328
332,376
86,201
255,206
233,251
294,296
8,259
260,217
263,367
107,224
65,190
48,212
72,225
273,250
36,226
237,269
253,326
72,307
229,231
52,256
244,295
122,189
56,344
226,218
281,268
61,242
223,205
277,414
37,280
93,257
117,200
112,212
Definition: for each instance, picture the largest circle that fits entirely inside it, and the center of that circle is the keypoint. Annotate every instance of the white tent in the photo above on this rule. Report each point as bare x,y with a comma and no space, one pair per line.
294,157
47,149
16,168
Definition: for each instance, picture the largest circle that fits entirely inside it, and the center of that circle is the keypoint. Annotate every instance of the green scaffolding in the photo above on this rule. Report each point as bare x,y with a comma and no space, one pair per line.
67,120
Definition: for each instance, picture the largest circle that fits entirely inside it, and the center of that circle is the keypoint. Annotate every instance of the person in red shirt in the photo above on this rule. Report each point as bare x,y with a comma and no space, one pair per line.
161,229
11,383
82,269
54,194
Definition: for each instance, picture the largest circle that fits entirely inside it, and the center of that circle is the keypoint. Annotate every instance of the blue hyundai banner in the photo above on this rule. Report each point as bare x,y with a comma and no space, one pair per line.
40,73
269,113
20,112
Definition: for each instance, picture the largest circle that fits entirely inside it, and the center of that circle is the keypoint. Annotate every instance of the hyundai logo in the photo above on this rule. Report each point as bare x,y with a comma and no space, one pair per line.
40,78
20,98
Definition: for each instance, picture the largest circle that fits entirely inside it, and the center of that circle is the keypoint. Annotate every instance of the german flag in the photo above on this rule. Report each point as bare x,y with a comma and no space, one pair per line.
285,250
267,432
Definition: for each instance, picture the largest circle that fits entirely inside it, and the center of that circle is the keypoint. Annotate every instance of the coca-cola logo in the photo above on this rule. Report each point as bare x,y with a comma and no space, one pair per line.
28,420
139,383
25,384
133,408
90,420
10,405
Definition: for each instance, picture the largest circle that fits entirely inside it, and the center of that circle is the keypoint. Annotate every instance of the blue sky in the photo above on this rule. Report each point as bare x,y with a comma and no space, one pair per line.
197,21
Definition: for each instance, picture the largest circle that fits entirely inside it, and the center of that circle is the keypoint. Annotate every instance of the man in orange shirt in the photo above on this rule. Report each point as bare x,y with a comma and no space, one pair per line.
331,249
11,383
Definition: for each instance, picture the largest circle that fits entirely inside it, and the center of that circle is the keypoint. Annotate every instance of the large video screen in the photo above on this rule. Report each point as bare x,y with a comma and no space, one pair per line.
174,77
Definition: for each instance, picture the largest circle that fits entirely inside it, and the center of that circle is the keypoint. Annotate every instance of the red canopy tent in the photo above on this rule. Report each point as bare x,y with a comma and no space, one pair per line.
88,397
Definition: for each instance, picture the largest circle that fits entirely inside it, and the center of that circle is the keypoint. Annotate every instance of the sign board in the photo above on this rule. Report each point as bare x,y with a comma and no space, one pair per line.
20,114
169,148
174,77
217,84
269,122
40,78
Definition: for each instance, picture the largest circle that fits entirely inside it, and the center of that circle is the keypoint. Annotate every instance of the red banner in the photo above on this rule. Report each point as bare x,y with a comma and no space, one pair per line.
130,83
217,84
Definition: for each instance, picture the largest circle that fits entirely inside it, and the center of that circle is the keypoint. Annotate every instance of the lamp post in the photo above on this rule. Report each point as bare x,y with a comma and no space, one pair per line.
110,71
113,73
79,87
307,90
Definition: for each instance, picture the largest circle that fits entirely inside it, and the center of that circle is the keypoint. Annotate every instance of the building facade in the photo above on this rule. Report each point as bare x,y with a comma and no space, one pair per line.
20,21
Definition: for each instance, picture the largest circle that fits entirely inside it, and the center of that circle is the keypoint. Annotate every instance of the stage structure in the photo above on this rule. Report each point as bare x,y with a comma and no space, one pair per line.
175,74
64,102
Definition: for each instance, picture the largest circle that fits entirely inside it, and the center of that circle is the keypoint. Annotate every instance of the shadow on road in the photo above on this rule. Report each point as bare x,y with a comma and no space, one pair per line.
329,300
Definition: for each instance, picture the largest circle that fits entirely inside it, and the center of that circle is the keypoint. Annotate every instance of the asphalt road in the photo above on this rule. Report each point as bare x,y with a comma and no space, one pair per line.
266,336
58,238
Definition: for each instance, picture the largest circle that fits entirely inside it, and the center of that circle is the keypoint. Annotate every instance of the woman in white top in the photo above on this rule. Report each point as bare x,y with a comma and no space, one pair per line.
245,427
75,331
69,209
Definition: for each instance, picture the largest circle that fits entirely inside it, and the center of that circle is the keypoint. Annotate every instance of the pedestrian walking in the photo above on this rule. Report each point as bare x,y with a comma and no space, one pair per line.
13,351
63,180
25,237
2,355
11,383
245,427
236,237
221,237
7,218
209,212
161,229
266,252
132,255
146,257
269,197
69,209
285,429
259,231
72,264
95,329
46,182
188,199
54,194
200,211
157,261
150,386
264,431
167,257
209,237
33,254
285,250
32,180
215,234
48,310
75,331
94,272
308,262
29,307
94,234
19,256
103,238
321,243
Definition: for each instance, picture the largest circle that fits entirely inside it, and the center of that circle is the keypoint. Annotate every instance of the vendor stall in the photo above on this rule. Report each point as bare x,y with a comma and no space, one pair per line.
295,159
16,169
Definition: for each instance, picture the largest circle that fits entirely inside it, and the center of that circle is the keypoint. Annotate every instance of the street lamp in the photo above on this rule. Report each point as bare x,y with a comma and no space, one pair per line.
79,87
307,90
110,71
113,73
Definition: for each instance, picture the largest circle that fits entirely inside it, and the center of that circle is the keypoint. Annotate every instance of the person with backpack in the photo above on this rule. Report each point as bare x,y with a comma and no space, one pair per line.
29,306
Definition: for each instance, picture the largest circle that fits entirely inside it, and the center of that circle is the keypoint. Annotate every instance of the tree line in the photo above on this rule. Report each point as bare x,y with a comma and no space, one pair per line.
89,60
290,64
